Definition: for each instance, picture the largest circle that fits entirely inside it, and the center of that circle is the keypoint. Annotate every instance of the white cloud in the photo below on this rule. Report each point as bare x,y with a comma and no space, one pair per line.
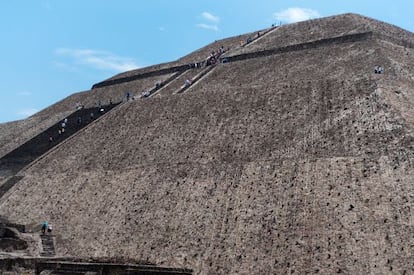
96,59
27,112
210,17
207,27
212,21
292,15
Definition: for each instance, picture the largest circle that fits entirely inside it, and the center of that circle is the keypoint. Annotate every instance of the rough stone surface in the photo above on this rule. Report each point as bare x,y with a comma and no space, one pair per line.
300,162
13,134
16,244
333,26
196,56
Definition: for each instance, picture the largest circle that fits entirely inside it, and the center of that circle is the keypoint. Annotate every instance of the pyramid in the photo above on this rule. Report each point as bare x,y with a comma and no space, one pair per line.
290,155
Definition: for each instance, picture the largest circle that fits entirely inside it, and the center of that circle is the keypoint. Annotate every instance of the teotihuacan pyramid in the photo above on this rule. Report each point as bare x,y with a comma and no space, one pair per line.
286,154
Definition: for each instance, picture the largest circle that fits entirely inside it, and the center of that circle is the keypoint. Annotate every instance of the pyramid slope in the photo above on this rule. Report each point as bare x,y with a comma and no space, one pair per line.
285,35
293,162
195,56
7,130
16,133
327,27
397,85
298,161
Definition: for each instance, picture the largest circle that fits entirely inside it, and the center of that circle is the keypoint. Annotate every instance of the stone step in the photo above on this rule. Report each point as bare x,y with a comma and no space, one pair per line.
47,245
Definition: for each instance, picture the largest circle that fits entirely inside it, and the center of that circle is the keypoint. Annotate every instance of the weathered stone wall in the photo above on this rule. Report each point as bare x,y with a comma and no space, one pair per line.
230,43
16,133
297,162
196,56
323,28
352,38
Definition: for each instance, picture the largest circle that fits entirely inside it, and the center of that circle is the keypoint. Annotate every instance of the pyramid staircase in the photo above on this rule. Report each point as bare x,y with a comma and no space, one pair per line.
231,55
179,82
195,79
48,245
165,83
173,84
154,90
194,74
13,162
191,71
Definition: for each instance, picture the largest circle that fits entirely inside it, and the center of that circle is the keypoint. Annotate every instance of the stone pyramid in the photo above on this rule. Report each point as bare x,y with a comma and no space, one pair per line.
290,155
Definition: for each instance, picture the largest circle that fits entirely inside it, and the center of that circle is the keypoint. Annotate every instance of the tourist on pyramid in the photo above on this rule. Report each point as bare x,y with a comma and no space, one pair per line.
378,70
45,225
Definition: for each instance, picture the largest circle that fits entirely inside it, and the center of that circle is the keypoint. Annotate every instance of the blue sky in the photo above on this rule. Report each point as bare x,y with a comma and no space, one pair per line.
50,49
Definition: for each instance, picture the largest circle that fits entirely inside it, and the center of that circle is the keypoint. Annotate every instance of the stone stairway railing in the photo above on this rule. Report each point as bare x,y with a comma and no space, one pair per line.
166,83
48,245
258,37
195,79
171,84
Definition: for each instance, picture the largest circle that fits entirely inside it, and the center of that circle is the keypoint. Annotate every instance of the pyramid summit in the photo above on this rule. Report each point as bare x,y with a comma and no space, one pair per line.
285,153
